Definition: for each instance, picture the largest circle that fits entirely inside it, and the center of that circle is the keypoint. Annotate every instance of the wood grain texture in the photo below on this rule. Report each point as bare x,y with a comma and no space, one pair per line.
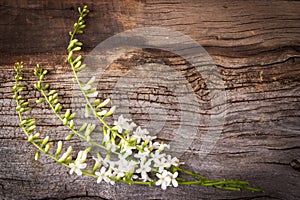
255,45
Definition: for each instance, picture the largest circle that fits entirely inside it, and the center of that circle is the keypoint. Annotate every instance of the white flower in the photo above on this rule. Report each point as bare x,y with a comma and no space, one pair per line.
100,161
101,175
127,150
142,155
161,164
164,179
108,177
123,123
149,138
118,172
81,156
144,168
172,161
131,126
173,178
157,156
140,133
112,147
106,136
162,146
124,166
77,167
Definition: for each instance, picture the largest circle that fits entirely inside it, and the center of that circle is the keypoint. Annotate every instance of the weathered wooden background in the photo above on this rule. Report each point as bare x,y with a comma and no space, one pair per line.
255,45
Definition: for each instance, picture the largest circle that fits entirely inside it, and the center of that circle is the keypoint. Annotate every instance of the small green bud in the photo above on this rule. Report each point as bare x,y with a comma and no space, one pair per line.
110,112
18,108
82,67
88,138
50,98
67,114
37,155
70,56
65,121
31,128
76,49
69,159
24,121
30,138
77,59
71,124
63,157
102,113
83,127
51,92
59,148
86,87
45,141
92,95
55,101
69,150
47,148
96,102
40,100
71,116
104,103
37,135
87,111
55,95
57,107
46,87
91,81
69,137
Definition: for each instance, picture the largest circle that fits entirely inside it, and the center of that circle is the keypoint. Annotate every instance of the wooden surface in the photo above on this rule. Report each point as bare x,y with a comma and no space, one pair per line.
255,45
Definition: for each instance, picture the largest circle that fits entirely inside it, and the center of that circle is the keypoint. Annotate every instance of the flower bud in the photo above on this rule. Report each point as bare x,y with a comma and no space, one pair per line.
37,155
59,148
45,141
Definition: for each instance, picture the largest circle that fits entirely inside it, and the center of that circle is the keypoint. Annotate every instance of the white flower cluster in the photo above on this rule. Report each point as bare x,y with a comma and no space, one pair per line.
139,157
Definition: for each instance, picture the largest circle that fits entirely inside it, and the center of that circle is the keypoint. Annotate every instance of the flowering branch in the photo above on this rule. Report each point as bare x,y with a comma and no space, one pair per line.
132,156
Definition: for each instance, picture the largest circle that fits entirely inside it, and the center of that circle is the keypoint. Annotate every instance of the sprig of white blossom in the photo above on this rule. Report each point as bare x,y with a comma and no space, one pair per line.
132,156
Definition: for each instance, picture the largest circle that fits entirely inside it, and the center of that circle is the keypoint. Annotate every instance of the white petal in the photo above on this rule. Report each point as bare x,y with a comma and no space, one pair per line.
158,182
163,186
174,183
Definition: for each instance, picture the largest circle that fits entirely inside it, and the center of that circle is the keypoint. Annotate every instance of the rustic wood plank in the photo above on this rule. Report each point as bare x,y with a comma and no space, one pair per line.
255,46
